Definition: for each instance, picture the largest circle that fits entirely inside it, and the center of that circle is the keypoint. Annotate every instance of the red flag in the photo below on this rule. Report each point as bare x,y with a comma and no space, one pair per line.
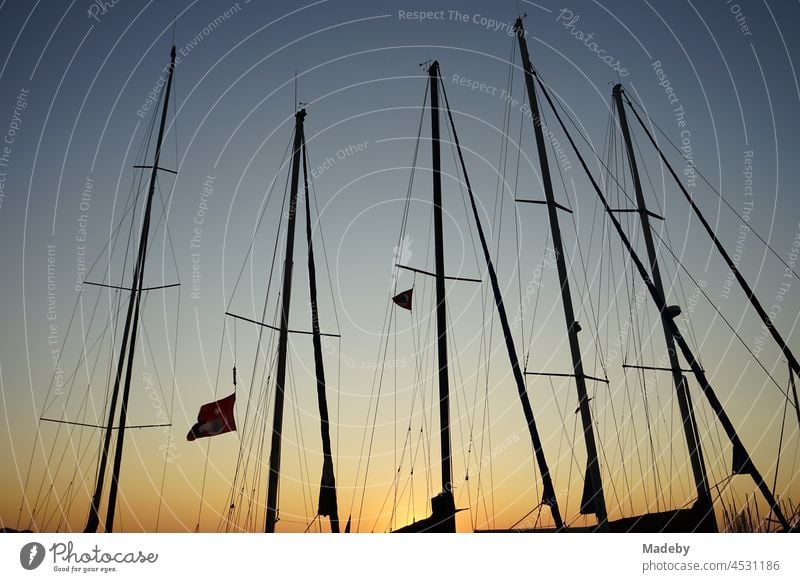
214,418
404,299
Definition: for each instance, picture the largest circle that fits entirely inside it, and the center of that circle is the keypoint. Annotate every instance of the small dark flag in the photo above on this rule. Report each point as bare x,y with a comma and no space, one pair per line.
214,418
404,299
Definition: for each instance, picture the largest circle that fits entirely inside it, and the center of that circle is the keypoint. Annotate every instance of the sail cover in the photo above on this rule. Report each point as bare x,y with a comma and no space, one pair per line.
214,418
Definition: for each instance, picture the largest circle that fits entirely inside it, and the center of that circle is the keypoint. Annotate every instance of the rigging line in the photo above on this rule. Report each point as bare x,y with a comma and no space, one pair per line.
396,476
268,197
683,294
389,311
245,423
168,432
377,381
512,354
474,249
500,182
457,369
167,229
311,523
610,396
60,506
302,455
48,457
780,439
486,343
208,444
409,189
306,157
461,191
377,384
258,435
84,408
146,343
632,102
66,336
691,331
318,226
422,372
722,316
577,245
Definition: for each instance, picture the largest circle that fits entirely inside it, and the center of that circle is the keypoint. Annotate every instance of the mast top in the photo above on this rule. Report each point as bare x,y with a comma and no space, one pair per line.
300,115
617,90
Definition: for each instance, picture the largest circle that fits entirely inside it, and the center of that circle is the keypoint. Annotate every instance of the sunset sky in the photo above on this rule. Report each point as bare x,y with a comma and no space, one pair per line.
79,89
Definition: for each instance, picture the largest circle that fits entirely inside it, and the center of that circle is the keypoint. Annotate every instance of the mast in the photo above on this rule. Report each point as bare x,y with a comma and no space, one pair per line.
549,495
327,495
681,388
441,307
283,336
593,486
129,333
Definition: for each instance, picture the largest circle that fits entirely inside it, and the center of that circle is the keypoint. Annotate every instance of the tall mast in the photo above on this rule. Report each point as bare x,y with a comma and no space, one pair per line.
593,486
548,496
441,307
684,398
129,333
283,335
327,495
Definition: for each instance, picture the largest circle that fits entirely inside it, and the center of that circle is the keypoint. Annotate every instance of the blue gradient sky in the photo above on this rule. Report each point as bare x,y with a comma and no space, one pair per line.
357,66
